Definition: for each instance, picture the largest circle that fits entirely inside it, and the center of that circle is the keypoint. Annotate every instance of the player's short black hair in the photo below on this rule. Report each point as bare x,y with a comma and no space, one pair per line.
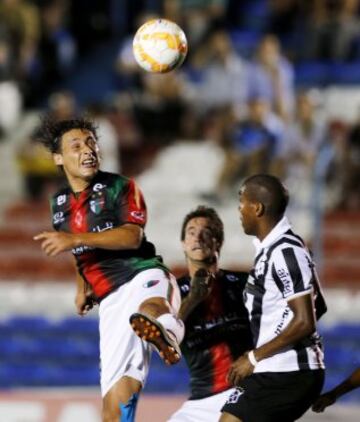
268,190
50,131
216,224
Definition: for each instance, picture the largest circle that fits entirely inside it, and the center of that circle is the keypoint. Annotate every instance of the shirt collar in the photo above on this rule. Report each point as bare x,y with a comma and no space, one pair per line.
281,227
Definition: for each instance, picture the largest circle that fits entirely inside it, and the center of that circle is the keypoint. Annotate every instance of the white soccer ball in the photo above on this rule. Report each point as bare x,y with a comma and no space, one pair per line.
160,46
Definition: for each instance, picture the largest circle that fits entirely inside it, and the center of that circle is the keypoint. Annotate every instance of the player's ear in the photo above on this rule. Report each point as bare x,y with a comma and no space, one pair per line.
58,159
259,209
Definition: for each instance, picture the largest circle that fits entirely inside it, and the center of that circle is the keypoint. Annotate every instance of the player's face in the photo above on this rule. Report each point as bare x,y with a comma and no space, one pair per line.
247,212
79,155
199,243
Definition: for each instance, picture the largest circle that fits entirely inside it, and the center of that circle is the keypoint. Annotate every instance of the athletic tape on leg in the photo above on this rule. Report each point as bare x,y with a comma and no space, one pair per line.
128,410
172,324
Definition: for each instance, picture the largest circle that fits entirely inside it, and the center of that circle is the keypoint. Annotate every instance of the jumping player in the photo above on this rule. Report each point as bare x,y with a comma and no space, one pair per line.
101,217
282,376
216,320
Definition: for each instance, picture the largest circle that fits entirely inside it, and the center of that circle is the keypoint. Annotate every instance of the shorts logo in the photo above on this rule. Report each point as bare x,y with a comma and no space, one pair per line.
234,396
151,283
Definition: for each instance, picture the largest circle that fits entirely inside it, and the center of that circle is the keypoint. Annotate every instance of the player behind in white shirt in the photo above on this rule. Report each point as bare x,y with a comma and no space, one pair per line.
282,376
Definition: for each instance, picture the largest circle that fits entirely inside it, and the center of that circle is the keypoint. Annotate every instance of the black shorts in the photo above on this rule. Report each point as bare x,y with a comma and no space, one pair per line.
275,396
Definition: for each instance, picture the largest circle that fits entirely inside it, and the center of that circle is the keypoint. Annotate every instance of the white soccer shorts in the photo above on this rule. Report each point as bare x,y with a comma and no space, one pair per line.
202,410
122,352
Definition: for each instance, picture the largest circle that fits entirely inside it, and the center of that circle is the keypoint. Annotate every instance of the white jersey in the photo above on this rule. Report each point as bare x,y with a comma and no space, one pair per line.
283,270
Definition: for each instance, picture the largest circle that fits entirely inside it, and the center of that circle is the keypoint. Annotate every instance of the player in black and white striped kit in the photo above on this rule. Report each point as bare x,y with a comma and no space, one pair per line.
281,377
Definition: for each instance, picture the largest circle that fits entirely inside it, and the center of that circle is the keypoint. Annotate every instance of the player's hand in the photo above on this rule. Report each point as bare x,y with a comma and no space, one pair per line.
201,285
209,243
52,243
84,302
323,401
239,370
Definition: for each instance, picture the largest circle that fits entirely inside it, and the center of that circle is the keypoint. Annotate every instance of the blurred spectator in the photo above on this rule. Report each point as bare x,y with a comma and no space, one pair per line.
219,76
304,138
20,20
62,105
350,193
283,17
251,146
331,31
37,167
337,135
196,17
108,139
128,72
272,77
57,50
10,96
160,108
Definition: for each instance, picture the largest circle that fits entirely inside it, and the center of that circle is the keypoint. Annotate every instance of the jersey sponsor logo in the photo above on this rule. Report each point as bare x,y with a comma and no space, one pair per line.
280,326
61,199
285,279
58,217
151,283
81,249
138,215
235,395
107,226
98,187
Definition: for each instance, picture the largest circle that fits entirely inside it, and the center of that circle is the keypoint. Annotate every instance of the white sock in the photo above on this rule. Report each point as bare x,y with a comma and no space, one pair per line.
173,325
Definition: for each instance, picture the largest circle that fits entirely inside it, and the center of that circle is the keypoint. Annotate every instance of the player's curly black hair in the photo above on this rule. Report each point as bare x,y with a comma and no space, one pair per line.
50,131
215,224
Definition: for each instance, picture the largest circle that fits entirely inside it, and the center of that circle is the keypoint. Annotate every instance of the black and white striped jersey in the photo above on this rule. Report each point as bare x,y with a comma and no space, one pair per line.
283,270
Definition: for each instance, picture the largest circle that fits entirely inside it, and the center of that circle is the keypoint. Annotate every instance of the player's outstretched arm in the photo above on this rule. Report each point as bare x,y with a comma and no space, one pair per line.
128,236
330,397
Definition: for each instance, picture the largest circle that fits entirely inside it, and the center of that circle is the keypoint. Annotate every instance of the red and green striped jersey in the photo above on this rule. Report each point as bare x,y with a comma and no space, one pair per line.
109,201
217,332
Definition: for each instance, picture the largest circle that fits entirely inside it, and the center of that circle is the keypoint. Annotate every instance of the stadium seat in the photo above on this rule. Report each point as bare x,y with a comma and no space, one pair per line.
308,74
345,73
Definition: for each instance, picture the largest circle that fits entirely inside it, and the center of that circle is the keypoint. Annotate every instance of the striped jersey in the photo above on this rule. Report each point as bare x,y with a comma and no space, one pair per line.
217,332
108,202
283,270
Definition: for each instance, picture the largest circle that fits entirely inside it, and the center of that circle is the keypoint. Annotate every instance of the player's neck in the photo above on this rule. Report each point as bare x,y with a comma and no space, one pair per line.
77,184
193,266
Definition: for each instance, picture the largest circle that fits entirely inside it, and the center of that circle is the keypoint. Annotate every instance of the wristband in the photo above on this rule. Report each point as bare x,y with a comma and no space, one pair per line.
252,358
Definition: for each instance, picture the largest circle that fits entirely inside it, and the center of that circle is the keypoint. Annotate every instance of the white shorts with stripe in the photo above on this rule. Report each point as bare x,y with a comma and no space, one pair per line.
202,410
122,352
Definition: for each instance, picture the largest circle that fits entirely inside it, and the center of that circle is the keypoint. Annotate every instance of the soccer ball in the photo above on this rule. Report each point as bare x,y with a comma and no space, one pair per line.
159,46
